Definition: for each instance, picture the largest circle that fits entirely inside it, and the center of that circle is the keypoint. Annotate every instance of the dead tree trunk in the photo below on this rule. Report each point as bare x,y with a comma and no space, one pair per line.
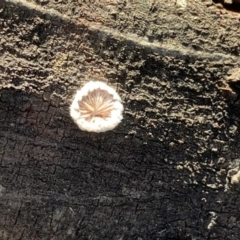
169,170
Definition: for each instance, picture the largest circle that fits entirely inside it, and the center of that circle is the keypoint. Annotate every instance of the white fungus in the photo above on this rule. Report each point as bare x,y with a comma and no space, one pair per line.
96,107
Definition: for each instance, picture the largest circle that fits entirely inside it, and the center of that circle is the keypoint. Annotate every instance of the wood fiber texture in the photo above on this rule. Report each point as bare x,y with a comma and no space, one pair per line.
168,171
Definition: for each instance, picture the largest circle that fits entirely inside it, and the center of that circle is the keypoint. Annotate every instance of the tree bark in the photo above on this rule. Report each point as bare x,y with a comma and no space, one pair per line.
169,170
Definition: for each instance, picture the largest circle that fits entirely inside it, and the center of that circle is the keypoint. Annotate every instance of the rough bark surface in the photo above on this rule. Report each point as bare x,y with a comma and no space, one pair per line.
169,170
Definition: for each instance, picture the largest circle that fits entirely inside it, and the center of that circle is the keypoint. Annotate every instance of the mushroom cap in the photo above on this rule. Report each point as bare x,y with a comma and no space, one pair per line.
96,107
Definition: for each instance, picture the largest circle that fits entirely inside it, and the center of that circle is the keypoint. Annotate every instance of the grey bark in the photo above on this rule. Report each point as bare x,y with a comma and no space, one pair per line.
169,170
